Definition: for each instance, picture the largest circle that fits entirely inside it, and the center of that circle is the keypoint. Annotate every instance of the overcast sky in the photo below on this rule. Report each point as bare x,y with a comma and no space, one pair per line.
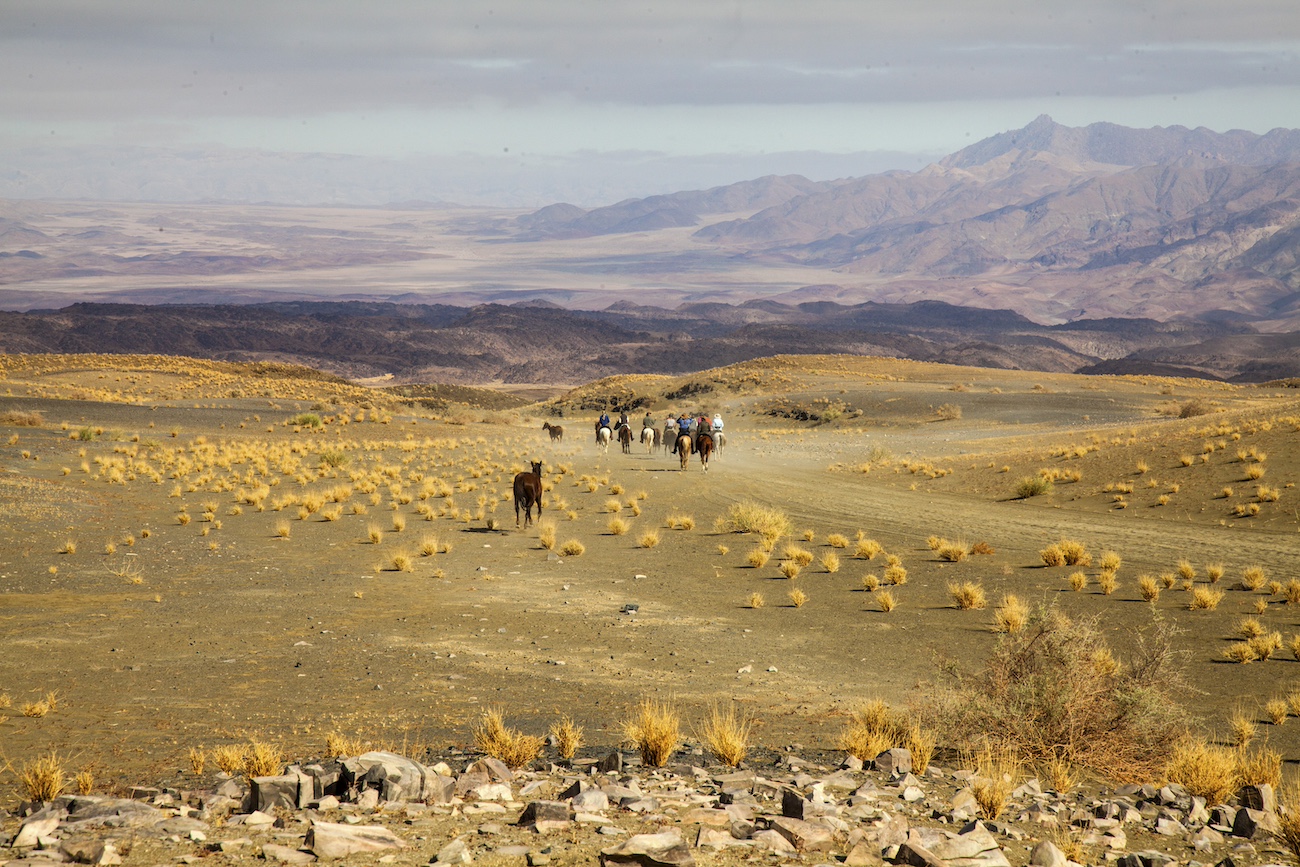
677,80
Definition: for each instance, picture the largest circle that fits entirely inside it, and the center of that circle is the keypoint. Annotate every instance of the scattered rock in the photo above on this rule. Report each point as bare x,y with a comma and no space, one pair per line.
650,850
329,841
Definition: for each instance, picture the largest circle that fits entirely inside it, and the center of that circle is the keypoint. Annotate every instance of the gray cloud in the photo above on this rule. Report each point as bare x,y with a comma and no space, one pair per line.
94,60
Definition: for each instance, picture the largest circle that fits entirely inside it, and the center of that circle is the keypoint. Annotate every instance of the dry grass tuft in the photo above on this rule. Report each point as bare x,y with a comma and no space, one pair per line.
871,729
797,597
967,595
511,746
1204,599
1078,580
198,760
727,734
1203,769
1277,710
229,757
339,745
43,779
1107,582
830,561
567,737
886,601
648,539
1258,767
751,517
262,760
867,549
835,540
616,526
1242,727
756,600
573,548
757,558
996,772
1149,588
655,731
1011,616
790,569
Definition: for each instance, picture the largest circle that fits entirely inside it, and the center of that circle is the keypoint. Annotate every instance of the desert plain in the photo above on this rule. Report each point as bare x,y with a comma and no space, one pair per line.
196,553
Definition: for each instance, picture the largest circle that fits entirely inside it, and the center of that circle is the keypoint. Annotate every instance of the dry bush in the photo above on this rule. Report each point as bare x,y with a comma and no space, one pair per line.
262,760
756,600
198,760
1078,580
751,517
1052,556
797,597
1011,615
43,779
1239,652
996,771
953,552
1061,773
229,757
648,539
511,746
616,526
727,734
967,595
756,558
790,569
1249,627
835,540
870,582
1252,578
982,548
546,534
1205,599
867,549
655,731
1149,588
886,601
1055,688
1288,817
1203,769
830,561
1033,486
567,737
1074,553
948,412
573,548
19,418
339,745
1264,646
896,575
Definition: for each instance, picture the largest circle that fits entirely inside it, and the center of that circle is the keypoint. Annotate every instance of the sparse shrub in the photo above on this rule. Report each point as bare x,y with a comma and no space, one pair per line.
1033,486
511,746
1255,472
1148,587
374,534
756,600
952,552
797,597
573,548
1249,627
870,582
649,539
996,773
1052,556
402,562
1078,581
967,595
756,558
982,548
283,529
790,569
1264,646
1259,767
752,517
1074,553
835,540
1242,727
229,757
886,601
1252,578
1214,572
616,526
339,745
830,561
567,737
873,728
198,760
1045,692
655,731
948,412
797,555
1240,652
895,575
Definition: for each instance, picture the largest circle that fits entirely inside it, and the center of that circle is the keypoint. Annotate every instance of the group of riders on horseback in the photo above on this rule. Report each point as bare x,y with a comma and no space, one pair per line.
673,430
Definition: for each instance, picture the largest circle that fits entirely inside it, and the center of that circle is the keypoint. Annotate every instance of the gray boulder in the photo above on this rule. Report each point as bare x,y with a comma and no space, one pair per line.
651,850
330,841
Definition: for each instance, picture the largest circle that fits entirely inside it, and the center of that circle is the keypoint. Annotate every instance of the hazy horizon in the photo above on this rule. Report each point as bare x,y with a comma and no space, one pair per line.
520,103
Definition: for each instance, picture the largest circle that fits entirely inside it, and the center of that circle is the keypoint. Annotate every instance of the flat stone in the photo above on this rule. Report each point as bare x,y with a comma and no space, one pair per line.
713,838
773,841
98,852
455,852
650,850
591,801
863,854
32,830
328,840
804,836
543,816
285,854
894,762
1047,854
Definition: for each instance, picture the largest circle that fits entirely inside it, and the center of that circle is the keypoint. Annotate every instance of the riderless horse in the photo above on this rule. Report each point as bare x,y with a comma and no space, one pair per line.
528,490
555,430
704,445
684,448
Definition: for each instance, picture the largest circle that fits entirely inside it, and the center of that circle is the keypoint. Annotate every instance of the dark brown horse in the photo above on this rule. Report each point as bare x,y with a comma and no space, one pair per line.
625,438
555,430
704,445
528,490
684,448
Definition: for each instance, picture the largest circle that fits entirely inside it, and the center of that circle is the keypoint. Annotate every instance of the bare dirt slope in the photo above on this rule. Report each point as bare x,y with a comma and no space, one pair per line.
236,570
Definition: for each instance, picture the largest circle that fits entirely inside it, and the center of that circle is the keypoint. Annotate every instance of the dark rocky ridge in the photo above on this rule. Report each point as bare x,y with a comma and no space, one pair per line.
532,344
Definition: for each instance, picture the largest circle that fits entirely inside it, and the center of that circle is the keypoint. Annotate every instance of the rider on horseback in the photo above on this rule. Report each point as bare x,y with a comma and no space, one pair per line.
604,420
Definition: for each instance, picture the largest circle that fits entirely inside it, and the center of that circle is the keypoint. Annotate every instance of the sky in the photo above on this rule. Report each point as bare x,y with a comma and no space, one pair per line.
659,94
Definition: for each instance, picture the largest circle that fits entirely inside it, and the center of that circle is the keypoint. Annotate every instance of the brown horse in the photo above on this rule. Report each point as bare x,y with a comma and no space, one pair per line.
684,448
704,446
528,490
625,438
555,430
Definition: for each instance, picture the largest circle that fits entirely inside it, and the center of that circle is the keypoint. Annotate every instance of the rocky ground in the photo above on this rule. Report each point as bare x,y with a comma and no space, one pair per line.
384,808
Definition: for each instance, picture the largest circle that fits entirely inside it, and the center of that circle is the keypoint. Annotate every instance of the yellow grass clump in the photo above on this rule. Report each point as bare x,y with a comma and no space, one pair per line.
43,779
756,558
511,746
967,595
1205,599
756,600
1011,616
567,737
996,772
649,539
1204,769
830,561
867,549
655,731
573,548
751,517
886,601
727,734
797,597
262,759
339,745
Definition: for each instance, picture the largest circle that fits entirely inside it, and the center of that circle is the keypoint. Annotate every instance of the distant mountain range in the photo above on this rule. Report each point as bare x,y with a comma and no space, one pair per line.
1053,221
